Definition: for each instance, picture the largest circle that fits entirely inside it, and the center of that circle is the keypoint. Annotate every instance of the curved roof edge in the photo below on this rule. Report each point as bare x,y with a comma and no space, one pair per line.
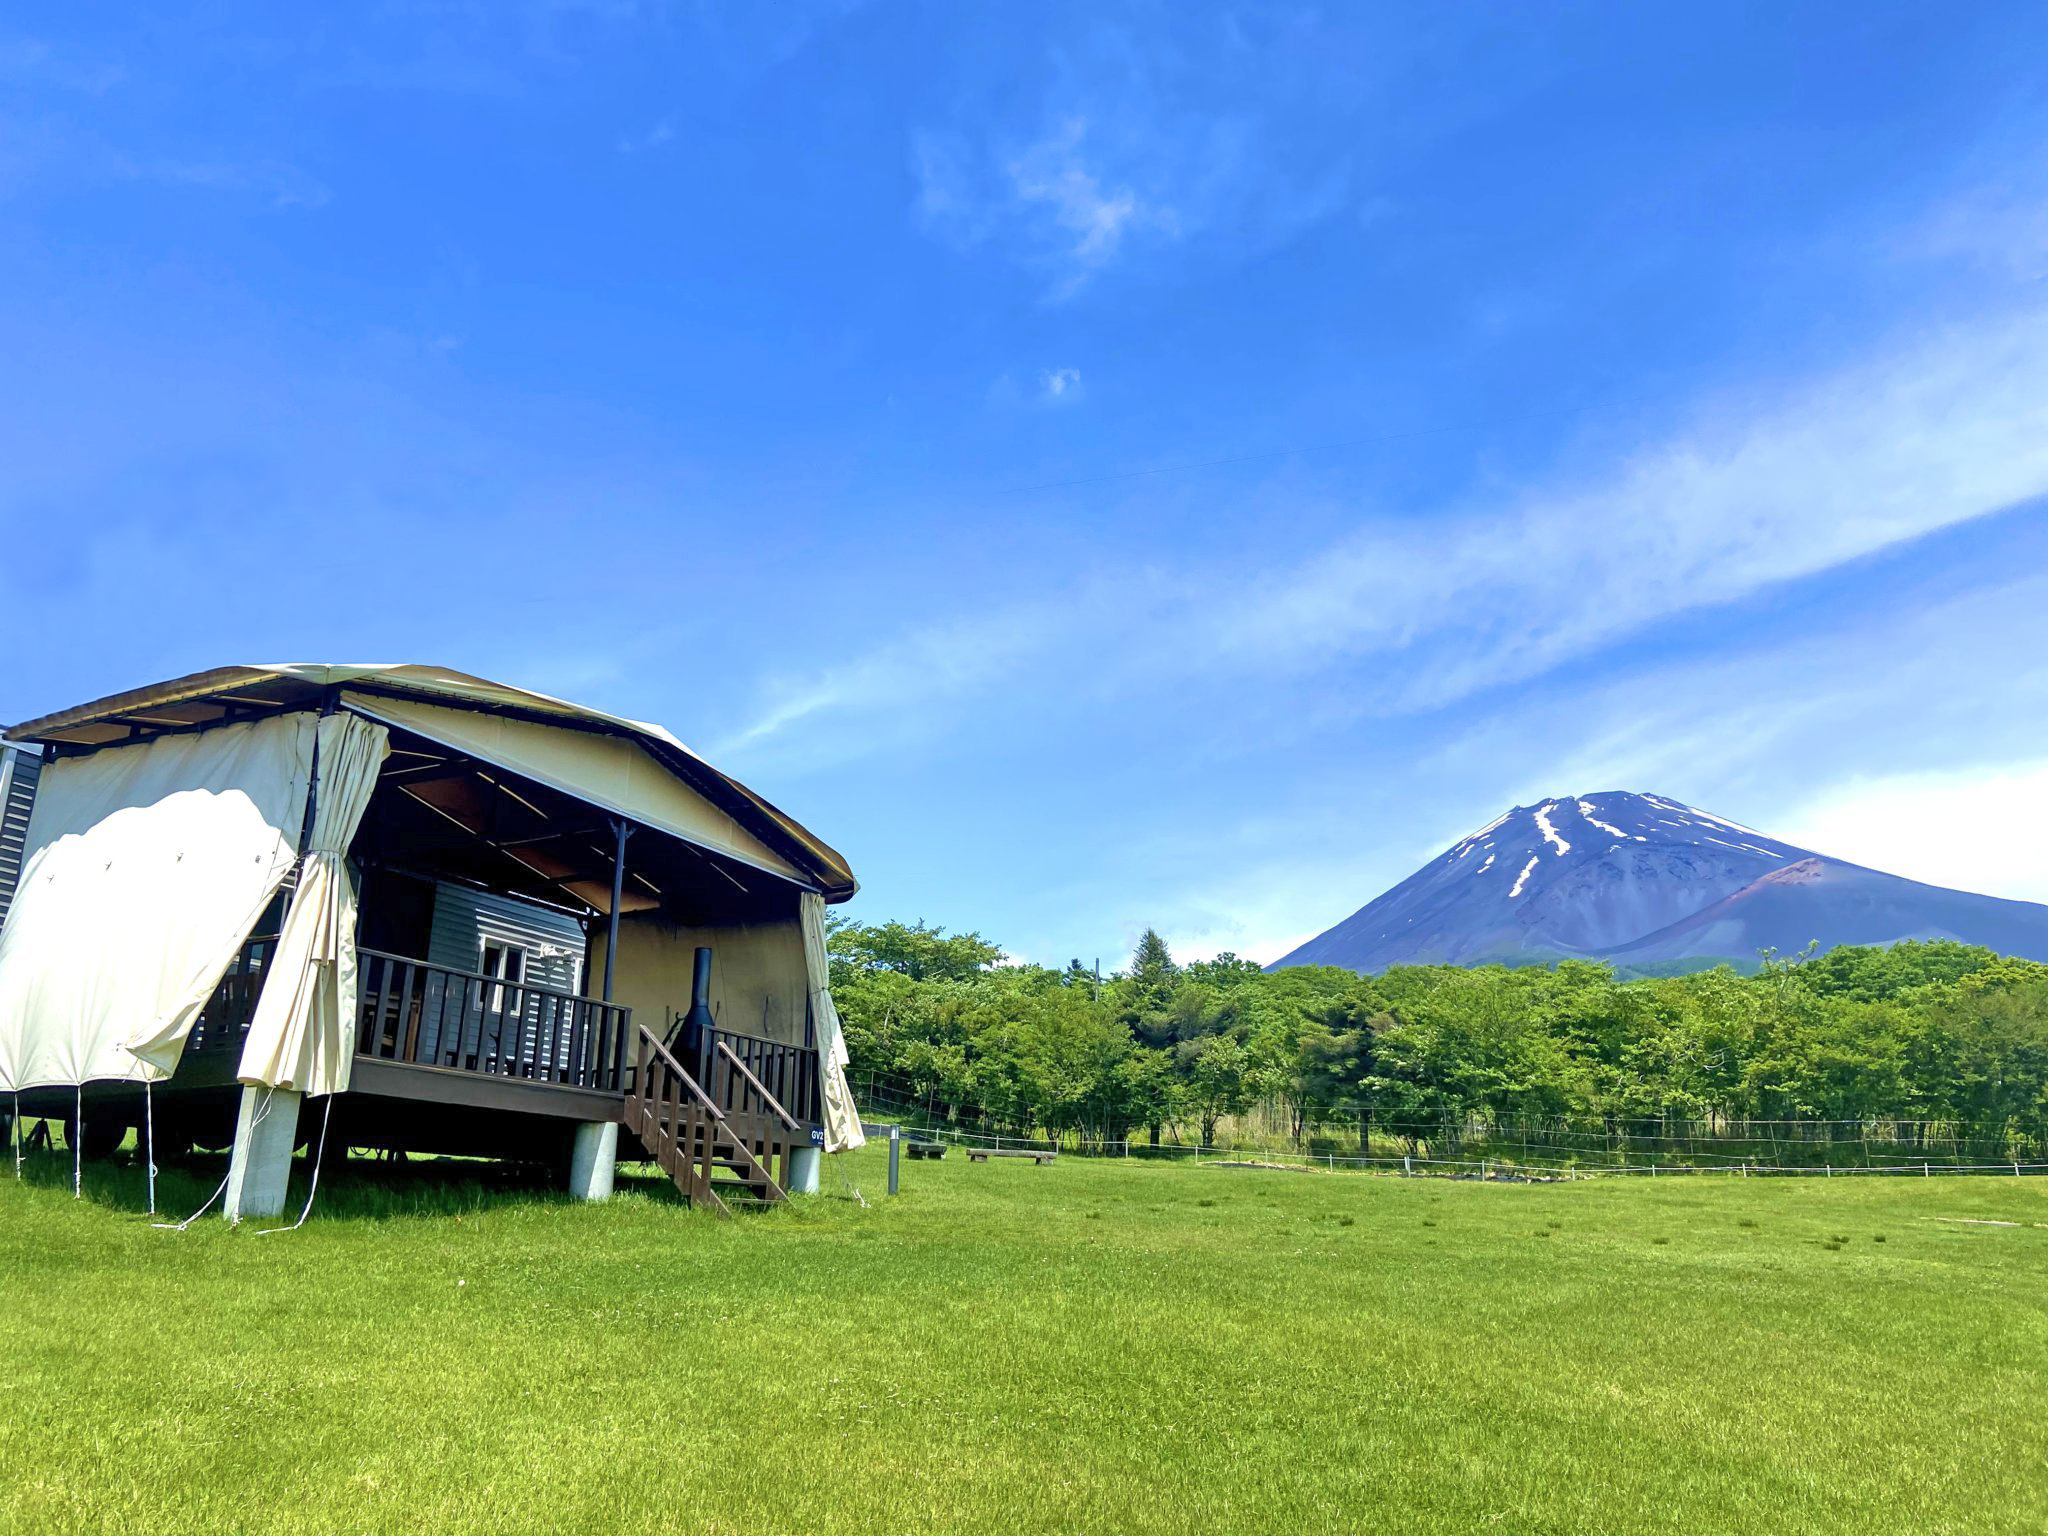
169,706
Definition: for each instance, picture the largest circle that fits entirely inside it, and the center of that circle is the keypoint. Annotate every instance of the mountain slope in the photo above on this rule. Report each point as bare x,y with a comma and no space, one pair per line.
1838,903
1642,880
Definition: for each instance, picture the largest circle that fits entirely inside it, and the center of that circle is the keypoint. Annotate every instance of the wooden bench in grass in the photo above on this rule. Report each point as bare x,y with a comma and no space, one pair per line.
924,1149
983,1154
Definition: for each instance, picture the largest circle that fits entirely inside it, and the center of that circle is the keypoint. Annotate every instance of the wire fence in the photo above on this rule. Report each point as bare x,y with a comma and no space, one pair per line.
1469,1148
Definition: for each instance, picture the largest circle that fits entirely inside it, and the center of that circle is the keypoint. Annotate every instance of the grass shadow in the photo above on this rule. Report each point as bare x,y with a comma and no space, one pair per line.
354,1187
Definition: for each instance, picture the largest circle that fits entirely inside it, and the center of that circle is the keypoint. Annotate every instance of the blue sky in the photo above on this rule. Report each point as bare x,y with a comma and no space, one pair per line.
1098,464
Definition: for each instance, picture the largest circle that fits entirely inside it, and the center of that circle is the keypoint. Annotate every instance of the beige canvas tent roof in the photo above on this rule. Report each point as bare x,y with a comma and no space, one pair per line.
442,702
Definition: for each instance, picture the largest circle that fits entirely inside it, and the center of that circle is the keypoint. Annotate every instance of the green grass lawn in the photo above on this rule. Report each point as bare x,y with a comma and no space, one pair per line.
1007,1348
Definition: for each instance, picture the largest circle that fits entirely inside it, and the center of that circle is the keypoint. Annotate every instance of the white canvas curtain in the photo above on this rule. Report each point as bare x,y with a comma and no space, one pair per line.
147,866
842,1117
303,1034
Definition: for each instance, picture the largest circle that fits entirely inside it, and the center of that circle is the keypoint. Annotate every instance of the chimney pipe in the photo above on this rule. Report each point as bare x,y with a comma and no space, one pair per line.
698,1023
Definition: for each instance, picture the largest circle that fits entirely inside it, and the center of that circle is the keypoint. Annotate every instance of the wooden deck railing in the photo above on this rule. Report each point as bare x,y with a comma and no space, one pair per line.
752,1076
435,1016
224,1022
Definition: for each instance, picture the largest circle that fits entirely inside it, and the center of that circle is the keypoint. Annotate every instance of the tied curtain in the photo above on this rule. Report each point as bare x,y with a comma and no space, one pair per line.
302,1036
842,1118
147,866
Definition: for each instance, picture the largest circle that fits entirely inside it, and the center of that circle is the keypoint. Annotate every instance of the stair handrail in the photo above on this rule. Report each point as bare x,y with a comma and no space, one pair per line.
788,1120
720,1124
704,1100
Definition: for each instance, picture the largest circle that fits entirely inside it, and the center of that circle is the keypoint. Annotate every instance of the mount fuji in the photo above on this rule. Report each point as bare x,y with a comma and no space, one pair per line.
1649,885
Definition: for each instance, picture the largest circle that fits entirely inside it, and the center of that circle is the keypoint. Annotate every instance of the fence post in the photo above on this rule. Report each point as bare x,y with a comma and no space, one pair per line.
1407,1166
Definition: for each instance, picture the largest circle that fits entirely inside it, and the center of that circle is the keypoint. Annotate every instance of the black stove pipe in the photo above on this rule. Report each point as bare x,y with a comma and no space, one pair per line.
693,1030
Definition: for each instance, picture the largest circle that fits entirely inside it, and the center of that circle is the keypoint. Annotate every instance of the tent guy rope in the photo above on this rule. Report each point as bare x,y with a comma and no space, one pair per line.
149,1139
220,1189
312,1189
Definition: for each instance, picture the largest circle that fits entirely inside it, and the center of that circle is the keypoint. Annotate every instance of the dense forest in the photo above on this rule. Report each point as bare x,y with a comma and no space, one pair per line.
1933,1038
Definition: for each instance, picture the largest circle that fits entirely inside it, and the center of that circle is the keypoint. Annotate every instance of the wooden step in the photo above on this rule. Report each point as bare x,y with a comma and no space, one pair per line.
691,1139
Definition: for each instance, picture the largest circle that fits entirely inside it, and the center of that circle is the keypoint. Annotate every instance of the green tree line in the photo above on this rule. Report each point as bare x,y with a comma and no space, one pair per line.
1930,1035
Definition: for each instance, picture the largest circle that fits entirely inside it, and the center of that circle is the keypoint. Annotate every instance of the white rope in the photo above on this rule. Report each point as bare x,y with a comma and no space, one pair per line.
219,1189
319,1151
149,1140
78,1135
847,1184
179,1226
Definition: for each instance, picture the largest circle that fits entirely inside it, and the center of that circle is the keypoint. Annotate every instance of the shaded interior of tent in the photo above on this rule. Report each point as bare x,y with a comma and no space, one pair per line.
708,1065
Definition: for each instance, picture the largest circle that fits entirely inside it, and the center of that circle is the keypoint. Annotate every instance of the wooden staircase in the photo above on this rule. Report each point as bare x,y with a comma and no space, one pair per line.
696,1139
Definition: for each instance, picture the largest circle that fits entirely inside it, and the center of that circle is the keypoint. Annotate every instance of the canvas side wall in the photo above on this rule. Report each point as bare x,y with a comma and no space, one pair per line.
758,984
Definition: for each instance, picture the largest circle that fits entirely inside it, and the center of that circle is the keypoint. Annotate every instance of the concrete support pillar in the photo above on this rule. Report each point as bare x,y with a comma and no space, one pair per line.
804,1163
260,1167
593,1158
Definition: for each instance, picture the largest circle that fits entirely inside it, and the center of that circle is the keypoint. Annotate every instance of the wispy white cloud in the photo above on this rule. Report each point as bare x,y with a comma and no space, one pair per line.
28,61
42,140
637,143
279,185
1059,384
1719,730
1764,490
1997,222
1089,217
894,687
1057,197
1125,155
1413,616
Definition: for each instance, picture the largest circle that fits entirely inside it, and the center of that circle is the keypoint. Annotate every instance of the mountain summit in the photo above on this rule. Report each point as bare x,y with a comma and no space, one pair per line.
1648,883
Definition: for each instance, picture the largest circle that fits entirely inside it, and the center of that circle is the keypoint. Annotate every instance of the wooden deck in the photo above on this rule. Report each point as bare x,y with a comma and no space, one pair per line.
456,1061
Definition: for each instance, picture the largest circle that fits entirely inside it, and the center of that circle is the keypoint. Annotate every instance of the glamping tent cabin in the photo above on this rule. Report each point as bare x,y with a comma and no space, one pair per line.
236,897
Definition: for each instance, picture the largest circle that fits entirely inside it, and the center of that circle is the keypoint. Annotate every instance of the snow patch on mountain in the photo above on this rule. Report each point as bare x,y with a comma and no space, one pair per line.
1549,832
1608,827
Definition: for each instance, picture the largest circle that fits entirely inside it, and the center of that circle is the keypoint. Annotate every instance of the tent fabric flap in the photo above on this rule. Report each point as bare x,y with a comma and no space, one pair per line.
842,1117
611,772
302,1035
146,868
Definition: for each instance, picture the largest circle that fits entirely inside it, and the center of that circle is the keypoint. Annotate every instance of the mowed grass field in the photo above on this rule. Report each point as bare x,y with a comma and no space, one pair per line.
1091,1346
